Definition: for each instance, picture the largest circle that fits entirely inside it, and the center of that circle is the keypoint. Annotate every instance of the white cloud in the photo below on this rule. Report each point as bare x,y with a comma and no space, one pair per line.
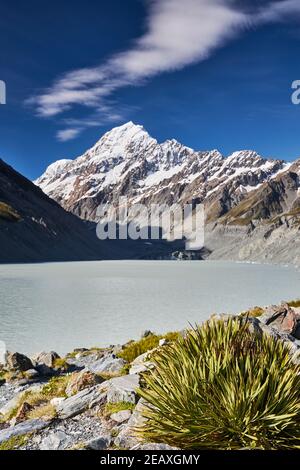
68,134
178,33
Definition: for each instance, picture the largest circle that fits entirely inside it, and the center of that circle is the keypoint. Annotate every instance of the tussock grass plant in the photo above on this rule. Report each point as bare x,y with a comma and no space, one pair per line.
223,387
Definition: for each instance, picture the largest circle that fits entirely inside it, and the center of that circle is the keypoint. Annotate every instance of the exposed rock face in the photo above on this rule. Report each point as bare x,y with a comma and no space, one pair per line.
252,204
100,443
141,364
263,226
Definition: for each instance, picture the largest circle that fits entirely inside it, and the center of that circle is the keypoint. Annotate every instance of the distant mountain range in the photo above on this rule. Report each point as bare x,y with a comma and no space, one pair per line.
35,228
252,204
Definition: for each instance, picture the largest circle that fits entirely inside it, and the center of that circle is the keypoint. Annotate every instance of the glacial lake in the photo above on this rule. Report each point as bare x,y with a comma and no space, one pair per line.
62,306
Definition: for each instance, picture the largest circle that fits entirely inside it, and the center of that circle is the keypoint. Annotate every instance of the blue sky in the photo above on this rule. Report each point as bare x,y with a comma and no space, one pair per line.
212,74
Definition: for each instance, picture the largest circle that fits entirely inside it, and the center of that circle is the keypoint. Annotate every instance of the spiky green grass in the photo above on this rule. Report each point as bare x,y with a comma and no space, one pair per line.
294,303
222,387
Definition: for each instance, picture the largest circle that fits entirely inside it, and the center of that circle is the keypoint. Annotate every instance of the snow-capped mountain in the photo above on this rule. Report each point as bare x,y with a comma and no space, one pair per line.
127,161
252,204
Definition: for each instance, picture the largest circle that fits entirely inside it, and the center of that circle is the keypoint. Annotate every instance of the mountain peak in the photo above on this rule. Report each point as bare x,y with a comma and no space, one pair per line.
121,142
129,125
124,134
127,160
129,129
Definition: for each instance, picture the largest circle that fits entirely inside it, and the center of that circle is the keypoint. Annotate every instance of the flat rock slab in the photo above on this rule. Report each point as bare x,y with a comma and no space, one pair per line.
21,429
141,368
141,363
79,403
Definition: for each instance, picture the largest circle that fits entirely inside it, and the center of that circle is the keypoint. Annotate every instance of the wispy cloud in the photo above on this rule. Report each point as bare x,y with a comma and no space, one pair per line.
68,134
279,11
178,33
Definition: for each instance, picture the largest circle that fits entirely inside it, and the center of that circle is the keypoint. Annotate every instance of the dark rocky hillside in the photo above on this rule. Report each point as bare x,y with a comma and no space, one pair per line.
35,228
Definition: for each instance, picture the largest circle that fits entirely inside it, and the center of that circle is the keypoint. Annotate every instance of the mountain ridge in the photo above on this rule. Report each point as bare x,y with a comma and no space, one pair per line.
127,161
252,204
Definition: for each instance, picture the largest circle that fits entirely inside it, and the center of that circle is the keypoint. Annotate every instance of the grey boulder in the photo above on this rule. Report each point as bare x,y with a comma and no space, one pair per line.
99,443
56,441
17,361
46,358
107,365
122,389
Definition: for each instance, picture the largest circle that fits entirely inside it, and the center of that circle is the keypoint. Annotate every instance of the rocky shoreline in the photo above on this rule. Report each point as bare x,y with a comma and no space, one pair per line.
89,400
